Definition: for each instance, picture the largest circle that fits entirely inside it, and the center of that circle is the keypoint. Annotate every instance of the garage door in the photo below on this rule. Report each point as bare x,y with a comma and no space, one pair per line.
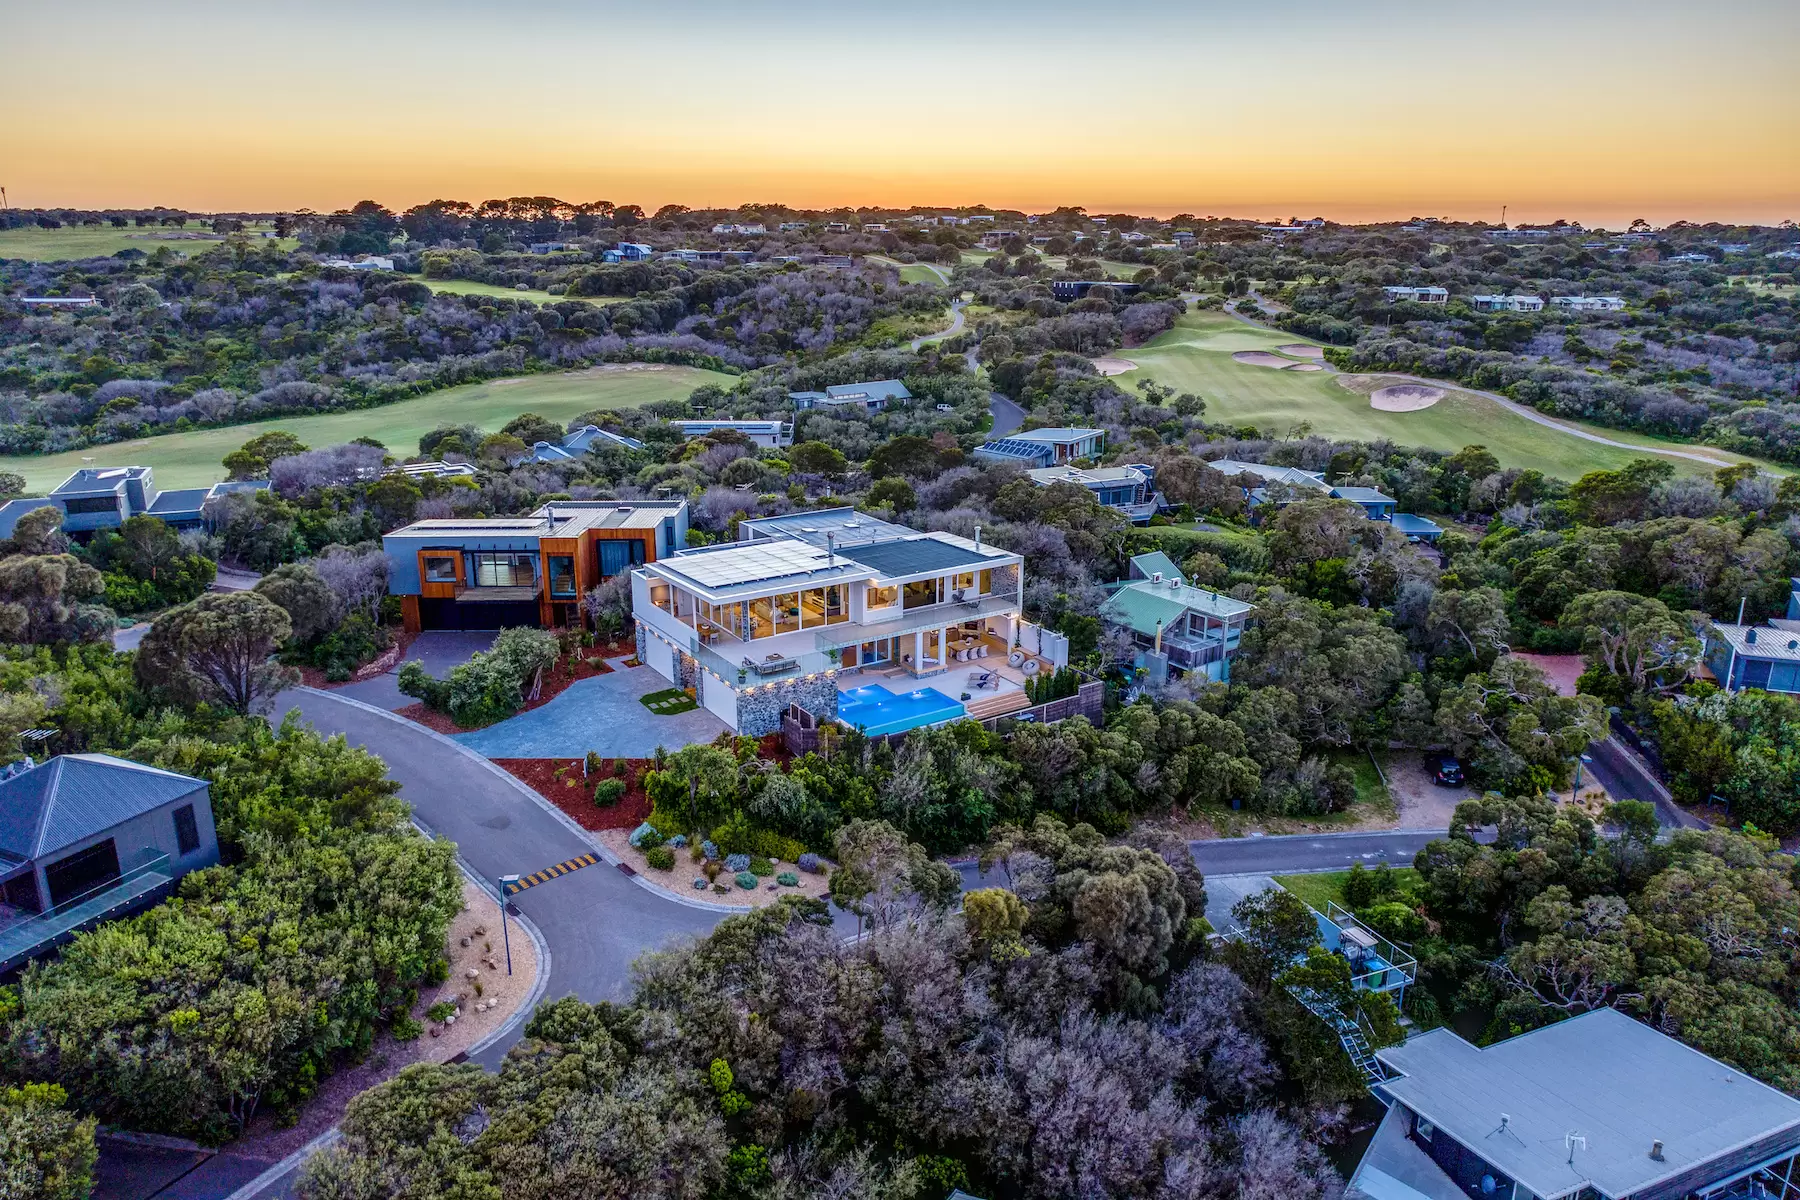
448,614
718,699
662,656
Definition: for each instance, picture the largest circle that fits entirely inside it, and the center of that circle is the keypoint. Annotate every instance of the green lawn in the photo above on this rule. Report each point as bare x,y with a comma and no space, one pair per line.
1196,356
917,272
89,241
192,459
1318,888
470,287
668,702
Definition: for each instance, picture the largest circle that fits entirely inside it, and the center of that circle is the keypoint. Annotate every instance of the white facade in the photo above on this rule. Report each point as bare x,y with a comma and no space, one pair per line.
1417,295
1506,303
1590,303
777,617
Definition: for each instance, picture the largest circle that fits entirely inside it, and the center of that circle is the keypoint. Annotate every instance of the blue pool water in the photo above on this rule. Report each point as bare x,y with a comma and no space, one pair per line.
877,710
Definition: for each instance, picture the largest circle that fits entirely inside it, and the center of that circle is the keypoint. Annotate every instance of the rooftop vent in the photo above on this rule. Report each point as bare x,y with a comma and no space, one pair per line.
1156,578
1750,637
1656,1151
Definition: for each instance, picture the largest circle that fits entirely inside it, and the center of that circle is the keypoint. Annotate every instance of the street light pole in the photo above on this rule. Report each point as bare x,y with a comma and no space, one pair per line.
505,938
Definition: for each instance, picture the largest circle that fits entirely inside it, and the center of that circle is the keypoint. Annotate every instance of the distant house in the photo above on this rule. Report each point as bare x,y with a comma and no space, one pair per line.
1595,1107
1506,303
1067,290
1044,447
1130,489
1758,656
60,301
741,230
1533,235
837,227
105,497
870,397
628,252
369,262
433,470
875,228
1404,293
548,247
1174,624
88,837
1589,303
1257,478
761,433
686,254
579,443
1689,258
791,226
1183,236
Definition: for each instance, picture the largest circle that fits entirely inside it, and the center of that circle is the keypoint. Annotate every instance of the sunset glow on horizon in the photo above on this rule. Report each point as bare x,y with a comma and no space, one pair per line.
1600,112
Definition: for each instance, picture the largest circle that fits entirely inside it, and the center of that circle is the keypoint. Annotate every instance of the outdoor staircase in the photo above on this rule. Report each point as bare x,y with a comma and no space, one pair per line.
1349,1034
988,707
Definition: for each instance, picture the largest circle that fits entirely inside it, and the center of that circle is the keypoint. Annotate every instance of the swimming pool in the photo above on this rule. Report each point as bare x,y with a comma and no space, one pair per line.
877,710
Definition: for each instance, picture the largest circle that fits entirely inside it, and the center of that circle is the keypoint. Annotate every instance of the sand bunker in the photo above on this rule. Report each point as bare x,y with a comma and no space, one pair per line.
1113,366
1299,351
1306,367
1405,397
1262,358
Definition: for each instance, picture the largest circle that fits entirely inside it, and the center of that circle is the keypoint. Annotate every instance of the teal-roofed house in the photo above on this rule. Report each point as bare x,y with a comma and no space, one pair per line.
1175,625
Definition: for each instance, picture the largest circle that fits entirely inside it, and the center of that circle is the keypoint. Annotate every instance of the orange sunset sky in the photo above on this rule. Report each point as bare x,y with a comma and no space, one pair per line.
1595,111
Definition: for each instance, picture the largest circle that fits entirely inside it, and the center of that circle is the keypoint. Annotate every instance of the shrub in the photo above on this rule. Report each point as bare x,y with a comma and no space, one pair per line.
441,1011
768,844
677,842
711,870
735,834
709,850
762,867
699,885
594,664
737,863
788,879
660,857
720,888
609,792
337,673
594,763
809,862
405,1028
645,836
619,767
745,880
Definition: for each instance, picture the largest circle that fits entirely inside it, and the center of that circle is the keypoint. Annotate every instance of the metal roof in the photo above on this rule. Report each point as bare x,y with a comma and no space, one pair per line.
1415,526
75,796
1771,642
1268,473
914,556
1141,605
843,525
1157,563
1363,495
1602,1076
181,500
1016,448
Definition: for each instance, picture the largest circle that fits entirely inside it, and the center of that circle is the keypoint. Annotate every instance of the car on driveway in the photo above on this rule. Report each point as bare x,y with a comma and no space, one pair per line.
1447,772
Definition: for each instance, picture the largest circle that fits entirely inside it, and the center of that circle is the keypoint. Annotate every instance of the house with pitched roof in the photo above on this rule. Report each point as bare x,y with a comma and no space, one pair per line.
846,616
88,837
1175,625
768,434
578,443
1758,656
1131,489
869,397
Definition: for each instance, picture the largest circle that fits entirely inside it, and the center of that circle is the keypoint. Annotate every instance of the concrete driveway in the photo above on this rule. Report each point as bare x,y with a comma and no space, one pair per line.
602,714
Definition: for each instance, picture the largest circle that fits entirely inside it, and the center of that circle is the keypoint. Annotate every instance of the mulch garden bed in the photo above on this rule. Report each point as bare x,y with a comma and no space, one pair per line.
314,677
556,681
539,774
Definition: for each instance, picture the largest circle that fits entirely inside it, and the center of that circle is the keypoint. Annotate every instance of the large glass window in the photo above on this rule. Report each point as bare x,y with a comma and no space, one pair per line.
562,574
91,504
920,593
505,570
187,830
837,604
880,597
762,617
987,582
617,555
440,569
787,612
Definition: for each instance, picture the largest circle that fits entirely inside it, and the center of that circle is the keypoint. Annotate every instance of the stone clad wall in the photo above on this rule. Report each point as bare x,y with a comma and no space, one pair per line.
760,706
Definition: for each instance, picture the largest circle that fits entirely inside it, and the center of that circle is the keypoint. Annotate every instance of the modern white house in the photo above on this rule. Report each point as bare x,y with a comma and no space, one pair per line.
1131,489
1044,447
762,433
1506,303
848,617
1417,295
1590,303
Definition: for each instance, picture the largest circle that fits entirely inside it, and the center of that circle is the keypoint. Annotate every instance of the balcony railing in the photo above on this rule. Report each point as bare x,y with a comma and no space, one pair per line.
1383,969
36,934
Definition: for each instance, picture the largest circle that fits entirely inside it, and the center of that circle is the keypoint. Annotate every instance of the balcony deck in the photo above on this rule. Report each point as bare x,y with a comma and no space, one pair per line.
33,935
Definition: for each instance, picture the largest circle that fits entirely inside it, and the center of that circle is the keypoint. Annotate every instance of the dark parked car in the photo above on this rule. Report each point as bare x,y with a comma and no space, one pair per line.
1449,773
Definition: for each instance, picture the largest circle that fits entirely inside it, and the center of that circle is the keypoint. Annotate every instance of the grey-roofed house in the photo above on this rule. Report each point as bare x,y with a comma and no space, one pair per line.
96,498
86,837
578,443
873,396
1596,1107
768,434
1131,489
806,600
1031,448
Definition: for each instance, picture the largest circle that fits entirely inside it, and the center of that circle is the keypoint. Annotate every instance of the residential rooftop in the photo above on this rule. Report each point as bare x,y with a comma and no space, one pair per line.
74,796
1614,1082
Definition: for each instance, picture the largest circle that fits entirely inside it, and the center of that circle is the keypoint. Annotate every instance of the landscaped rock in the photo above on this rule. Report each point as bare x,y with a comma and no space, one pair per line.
472,973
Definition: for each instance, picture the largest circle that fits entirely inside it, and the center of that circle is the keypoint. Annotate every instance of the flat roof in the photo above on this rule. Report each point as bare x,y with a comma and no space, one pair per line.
750,567
1363,495
916,555
1416,526
1065,474
845,526
1056,434
1614,1081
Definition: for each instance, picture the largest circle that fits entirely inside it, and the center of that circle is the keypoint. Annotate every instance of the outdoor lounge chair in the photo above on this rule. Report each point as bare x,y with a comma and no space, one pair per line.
984,679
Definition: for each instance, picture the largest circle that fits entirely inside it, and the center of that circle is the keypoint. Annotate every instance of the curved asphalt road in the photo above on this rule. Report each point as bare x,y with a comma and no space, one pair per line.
951,330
